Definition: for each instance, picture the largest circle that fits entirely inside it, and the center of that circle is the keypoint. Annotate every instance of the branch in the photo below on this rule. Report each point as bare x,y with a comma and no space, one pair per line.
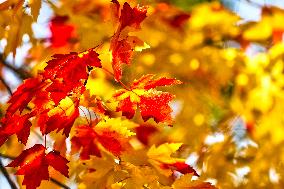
253,3
6,85
58,183
6,174
6,156
19,71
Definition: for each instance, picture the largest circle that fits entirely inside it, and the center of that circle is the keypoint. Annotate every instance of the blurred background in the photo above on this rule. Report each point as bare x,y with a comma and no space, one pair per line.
229,54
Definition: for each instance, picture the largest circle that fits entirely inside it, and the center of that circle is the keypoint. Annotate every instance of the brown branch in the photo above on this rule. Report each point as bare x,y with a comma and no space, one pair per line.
58,183
7,176
6,156
6,85
19,71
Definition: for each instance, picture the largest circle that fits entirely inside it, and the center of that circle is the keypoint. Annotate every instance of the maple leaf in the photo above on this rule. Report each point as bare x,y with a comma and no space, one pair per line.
57,91
61,117
93,102
63,75
156,105
163,152
34,163
71,67
186,181
131,16
172,16
16,124
144,132
35,8
181,167
111,134
122,47
23,95
85,139
179,20
68,72
61,31
152,103
160,158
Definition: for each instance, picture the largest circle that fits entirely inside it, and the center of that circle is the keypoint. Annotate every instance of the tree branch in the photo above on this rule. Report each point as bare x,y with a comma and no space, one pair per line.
254,3
6,85
7,176
58,183
6,156
19,71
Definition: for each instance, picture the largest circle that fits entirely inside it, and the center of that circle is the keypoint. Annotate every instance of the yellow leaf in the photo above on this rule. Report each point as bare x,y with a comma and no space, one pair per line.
163,152
35,8
118,125
186,182
65,106
253,32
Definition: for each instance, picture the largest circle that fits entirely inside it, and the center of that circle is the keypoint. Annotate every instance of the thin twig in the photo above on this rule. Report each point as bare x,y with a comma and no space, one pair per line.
6,86
51,179
253,3
6,156
120,82
20,72
7,176
59,183
89,122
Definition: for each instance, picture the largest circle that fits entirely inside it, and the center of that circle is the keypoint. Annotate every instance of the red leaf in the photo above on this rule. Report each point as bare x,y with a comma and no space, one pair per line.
179,20
127,107
64,75
161,82
71,67
57,122
144,132
34,164
147,82
181,167
23,95
122,52
142,82
61,32
122,46
113,142
16,124
89,138
57,91
132,16
58,162
152,103
85,139
69,72
115,8
156,105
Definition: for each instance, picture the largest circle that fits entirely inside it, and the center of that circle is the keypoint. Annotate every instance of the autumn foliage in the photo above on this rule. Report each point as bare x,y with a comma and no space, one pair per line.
98,117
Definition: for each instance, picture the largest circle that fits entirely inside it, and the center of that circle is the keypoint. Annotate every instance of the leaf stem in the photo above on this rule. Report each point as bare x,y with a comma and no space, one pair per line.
120,82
